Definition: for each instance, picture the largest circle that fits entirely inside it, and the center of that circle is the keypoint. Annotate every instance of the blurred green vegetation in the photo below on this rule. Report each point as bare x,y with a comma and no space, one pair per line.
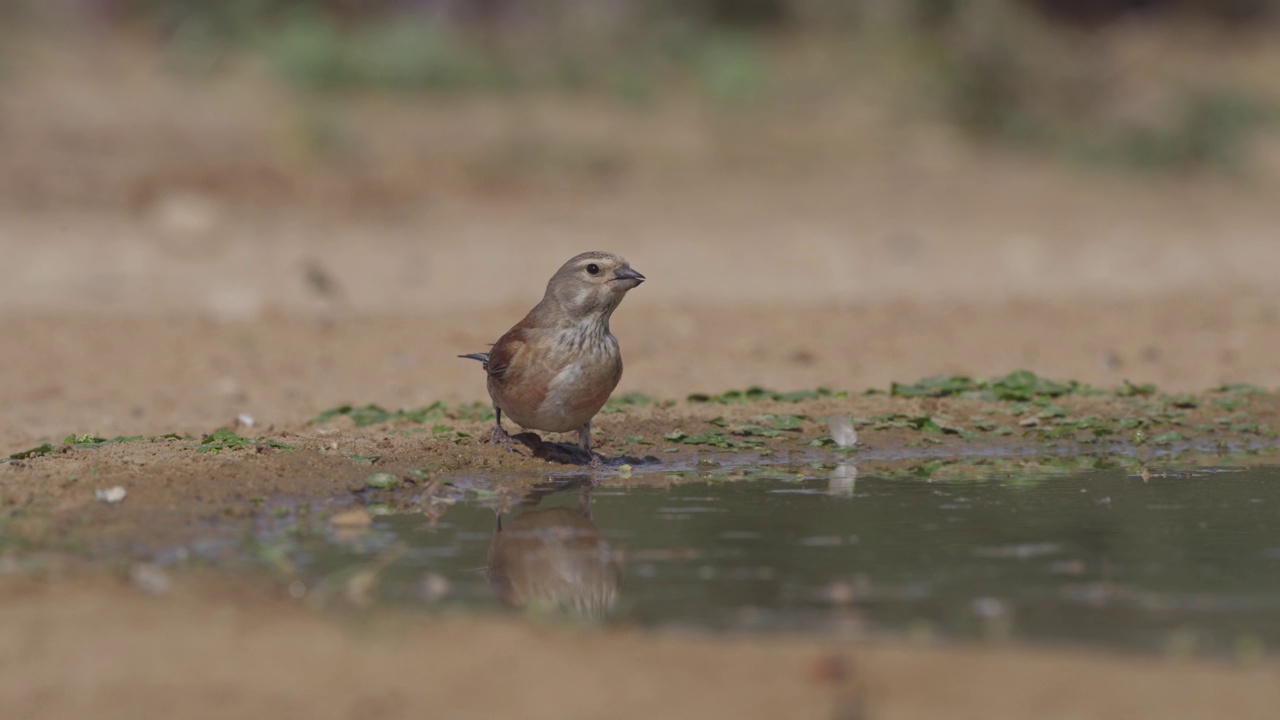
316,51
1009,75
1045,75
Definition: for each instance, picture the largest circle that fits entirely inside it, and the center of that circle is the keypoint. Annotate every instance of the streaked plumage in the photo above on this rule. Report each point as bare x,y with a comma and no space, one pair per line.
557,367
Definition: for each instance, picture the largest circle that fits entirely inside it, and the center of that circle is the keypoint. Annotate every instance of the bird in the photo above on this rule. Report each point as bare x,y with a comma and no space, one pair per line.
556,368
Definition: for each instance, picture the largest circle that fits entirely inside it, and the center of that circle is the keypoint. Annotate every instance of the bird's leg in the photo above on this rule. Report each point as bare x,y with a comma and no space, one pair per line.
501,436
584,441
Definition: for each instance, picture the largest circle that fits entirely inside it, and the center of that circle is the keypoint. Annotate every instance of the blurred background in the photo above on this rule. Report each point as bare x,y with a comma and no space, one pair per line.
839,193
382,145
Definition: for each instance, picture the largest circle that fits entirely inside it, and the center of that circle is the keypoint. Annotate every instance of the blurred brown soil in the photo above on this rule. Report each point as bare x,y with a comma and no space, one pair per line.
210,648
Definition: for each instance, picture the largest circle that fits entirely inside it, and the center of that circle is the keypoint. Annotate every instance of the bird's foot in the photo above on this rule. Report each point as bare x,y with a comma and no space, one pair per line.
503,438
597,460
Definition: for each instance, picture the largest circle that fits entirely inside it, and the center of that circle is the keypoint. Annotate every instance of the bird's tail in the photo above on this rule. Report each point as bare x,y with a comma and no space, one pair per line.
482,357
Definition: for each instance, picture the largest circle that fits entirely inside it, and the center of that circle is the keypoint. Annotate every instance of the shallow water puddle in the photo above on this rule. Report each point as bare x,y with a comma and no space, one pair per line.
1180,562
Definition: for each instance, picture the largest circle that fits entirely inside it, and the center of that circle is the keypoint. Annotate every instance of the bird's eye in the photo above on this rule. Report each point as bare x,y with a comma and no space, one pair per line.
593,269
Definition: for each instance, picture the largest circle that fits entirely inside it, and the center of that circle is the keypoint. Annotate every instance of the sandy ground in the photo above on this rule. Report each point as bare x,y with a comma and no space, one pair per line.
175,255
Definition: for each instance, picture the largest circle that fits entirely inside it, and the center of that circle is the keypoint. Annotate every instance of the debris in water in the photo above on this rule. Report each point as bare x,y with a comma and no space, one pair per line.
840,593
353,518
434,588
350,524
989,608
361,588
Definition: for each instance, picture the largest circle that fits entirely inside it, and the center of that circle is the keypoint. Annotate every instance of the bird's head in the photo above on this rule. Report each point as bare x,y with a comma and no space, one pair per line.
592,283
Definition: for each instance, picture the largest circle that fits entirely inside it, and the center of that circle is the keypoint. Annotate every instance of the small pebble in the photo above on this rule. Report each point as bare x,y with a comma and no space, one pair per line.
111,495
150,579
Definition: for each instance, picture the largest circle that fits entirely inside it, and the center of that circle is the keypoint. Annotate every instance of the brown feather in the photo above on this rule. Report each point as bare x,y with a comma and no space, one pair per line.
592,400
515,383
556,368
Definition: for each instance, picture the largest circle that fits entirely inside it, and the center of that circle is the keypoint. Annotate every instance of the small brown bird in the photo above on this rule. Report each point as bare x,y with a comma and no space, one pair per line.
557,367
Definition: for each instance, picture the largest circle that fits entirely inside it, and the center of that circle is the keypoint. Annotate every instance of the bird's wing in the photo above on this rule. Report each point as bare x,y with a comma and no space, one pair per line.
505,352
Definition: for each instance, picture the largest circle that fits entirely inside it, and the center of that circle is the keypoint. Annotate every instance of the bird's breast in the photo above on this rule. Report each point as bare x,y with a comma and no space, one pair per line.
583,371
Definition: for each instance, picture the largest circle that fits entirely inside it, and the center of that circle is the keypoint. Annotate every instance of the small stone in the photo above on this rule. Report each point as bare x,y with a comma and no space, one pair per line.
111,495
184,218
150,579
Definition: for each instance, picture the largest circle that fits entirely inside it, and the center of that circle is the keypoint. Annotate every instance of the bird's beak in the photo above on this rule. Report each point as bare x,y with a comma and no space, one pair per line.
627,273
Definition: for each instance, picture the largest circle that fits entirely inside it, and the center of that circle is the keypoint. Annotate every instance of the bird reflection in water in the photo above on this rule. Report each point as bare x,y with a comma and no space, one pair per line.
554,558
842,479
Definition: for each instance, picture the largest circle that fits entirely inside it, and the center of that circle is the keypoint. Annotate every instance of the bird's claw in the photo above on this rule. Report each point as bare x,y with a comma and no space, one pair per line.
503,438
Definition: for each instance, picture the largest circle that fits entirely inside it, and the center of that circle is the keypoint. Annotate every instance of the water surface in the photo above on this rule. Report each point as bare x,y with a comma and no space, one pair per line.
1182,560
